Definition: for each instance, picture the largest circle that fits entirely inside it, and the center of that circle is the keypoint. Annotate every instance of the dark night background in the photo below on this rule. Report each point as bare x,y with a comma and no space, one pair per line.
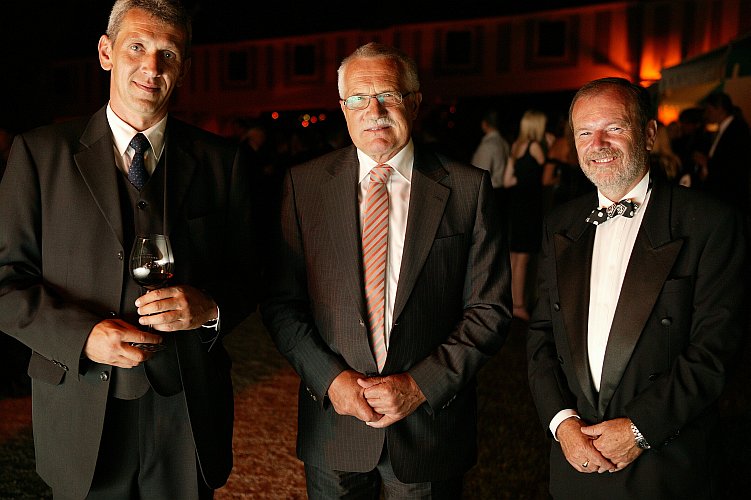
35,32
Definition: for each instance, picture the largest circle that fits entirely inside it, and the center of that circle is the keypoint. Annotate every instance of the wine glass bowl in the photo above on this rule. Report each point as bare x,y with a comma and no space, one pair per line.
151,261
152,265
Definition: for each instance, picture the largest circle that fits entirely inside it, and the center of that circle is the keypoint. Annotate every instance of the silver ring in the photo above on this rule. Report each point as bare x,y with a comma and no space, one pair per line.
585,464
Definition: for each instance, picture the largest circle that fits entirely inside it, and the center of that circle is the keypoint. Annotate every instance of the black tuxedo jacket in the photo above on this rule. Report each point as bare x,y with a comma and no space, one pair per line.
63,266
677,325
451,312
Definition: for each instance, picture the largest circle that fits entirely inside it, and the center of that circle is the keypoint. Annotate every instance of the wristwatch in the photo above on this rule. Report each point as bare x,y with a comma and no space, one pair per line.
639,438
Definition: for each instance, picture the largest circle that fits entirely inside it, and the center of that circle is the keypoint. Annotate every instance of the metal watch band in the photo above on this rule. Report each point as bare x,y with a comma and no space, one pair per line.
639,438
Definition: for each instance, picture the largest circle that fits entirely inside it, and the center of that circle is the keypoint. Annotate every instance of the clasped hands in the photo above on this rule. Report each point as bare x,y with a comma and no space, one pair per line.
377,401
605,447
179,307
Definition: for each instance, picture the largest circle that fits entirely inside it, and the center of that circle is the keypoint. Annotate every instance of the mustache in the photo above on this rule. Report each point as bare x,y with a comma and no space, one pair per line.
604,154
381,121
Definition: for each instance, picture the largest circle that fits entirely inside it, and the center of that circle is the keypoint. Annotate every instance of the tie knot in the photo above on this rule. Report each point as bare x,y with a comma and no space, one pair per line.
139,143
626,208
380,173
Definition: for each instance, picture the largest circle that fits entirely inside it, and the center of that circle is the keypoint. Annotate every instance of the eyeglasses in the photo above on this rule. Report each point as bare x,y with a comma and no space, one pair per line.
361,101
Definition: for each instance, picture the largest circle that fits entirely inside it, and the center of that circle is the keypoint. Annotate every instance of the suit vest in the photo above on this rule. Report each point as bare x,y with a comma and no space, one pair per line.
143,213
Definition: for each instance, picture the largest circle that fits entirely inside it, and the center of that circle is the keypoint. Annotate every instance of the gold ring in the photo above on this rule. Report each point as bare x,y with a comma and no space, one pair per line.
585,464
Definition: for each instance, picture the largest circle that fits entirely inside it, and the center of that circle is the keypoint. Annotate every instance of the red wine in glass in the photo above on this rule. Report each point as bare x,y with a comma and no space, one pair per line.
151,266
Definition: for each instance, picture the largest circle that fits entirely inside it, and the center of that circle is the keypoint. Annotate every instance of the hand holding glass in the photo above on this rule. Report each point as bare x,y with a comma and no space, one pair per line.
151,266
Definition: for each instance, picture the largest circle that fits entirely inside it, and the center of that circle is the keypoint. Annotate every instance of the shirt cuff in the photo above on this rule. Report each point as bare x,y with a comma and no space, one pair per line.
214,323
560,417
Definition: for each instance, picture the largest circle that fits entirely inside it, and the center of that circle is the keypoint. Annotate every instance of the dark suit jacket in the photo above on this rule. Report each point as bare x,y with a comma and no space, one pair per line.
62,270
451,312
678,323
730,165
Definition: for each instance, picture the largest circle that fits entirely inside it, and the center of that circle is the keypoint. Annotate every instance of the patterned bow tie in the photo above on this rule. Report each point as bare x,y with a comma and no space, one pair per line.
626,208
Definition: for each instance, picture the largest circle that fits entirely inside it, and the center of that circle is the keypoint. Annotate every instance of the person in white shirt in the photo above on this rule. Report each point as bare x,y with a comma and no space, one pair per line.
639,318
112,417
387,355
726,169
492,152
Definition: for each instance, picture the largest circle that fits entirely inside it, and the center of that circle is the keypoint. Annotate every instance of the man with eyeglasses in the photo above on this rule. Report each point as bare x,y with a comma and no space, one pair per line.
387,327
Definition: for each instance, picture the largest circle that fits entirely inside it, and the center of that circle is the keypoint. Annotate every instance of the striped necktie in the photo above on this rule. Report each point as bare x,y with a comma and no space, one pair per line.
375,230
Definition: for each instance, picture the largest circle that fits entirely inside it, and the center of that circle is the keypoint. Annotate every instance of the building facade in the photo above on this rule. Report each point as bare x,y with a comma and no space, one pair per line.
537,53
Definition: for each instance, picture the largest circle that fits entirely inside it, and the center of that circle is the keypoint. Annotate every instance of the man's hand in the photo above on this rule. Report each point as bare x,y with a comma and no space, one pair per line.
109,343
394,397
579,448
347,397
614,439
172,308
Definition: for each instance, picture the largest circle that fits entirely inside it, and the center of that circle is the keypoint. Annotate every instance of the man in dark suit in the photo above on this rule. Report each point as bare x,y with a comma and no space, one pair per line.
112,420
400,413
640,312
726,169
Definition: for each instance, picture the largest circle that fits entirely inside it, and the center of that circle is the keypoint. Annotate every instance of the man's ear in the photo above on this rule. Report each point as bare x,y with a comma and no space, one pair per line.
416,100
105,53
651,134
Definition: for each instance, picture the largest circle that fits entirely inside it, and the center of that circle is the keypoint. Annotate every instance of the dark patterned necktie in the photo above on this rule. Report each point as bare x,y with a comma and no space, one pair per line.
137,174
626,208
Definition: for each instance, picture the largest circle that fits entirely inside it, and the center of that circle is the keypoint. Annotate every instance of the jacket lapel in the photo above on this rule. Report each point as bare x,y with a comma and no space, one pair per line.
339,196
96,163
427,202
652,258
573,255
178,157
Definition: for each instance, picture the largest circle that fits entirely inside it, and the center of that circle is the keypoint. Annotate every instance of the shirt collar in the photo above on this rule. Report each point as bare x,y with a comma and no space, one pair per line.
122,133
724,124
638,194
402,162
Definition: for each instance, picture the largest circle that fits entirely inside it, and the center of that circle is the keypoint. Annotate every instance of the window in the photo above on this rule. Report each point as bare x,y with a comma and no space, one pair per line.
459,51
304,60
239,68
551,43
304,63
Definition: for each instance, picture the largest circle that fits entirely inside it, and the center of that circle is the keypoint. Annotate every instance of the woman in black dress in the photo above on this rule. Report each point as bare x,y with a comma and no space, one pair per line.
523,180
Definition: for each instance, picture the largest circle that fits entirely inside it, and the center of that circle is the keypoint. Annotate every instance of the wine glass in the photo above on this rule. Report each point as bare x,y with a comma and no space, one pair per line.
151,266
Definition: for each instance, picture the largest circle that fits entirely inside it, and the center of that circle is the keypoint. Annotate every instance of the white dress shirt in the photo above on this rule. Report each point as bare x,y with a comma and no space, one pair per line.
491,155
720,130
398,186
614,241
122,133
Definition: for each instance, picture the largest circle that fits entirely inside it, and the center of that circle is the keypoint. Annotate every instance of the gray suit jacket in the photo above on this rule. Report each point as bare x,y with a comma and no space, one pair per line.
677,325
63,266
451,314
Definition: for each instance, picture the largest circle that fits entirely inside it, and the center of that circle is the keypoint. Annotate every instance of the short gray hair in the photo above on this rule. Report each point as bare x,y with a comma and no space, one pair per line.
375,50
170,12
637,97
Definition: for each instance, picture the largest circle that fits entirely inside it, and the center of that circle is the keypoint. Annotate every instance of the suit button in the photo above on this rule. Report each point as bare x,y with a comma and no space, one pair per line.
653,376
560,359
120,255
104,376
666,321
556,307
112,314
143,204
362,323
